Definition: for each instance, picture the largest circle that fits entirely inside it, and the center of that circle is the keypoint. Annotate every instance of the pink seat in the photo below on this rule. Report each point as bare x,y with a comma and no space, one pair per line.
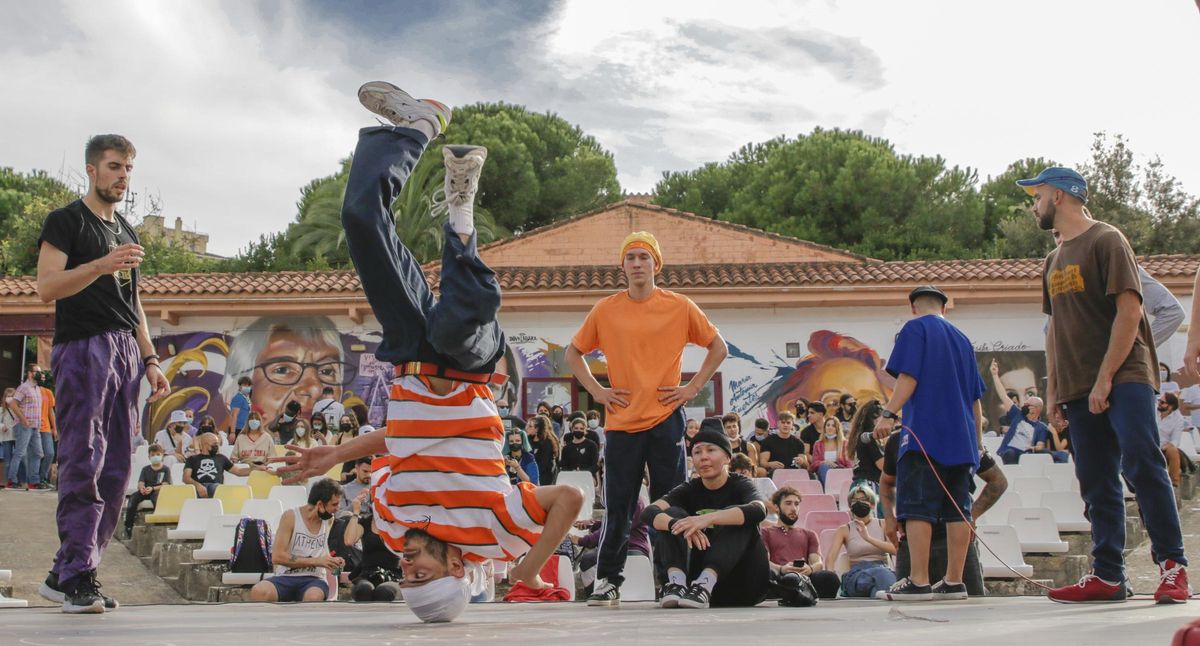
816,502
819,521
825,539
786,476
805,487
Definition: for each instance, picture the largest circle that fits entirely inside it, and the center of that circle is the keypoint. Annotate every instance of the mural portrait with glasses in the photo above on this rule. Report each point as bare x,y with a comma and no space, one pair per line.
286,358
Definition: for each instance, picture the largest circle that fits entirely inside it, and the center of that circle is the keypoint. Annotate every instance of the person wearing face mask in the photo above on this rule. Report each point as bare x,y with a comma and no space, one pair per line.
347,430
151,479
328,407
847,407
762,430
521,466
830,452
209,425
206,470
254,445
1165,383
579,453
320,427
594,425
1171,426
8,421
732,427
866,548
239,407
512,423
305,438
793,549
301,549
556,417
283,428
545,447
175,439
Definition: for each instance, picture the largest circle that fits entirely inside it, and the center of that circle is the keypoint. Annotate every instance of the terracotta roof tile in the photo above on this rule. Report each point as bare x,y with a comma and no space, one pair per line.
765,275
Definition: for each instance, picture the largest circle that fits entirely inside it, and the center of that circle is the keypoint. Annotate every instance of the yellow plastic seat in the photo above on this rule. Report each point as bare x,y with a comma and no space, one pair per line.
261,482
170,504
335,473
232,497
280,450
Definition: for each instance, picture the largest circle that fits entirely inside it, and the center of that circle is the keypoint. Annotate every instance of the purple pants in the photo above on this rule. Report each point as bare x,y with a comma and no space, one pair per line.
97,384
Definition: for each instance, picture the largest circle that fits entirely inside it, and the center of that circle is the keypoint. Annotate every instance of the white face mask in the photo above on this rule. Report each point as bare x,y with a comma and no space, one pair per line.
1163,375
300,431
593,423
253,424
156,460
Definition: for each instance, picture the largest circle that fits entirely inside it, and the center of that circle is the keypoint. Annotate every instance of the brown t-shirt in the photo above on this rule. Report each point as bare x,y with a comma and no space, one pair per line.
1080,283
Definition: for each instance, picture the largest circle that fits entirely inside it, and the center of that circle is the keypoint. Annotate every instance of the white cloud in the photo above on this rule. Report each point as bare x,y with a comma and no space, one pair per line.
234,106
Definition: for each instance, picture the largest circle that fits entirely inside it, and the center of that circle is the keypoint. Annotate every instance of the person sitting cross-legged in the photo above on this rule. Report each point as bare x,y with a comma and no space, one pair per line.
708,539
150,480
868,573
301,549
793,549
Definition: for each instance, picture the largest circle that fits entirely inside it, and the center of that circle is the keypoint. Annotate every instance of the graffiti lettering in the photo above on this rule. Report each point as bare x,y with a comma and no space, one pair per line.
1000,346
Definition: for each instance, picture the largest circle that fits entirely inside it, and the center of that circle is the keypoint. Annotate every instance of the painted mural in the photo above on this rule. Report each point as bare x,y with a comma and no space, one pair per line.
1022,373
286,358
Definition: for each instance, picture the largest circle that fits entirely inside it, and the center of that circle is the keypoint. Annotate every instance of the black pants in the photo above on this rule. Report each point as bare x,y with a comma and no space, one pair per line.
735,553
938,558
135,500
626,458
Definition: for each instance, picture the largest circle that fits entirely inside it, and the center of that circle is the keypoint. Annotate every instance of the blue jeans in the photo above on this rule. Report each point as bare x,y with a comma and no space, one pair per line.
47,444
459,331
25,447
1124,440
865,578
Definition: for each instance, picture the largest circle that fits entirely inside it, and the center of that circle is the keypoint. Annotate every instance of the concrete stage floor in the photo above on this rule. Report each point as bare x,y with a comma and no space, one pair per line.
1025,621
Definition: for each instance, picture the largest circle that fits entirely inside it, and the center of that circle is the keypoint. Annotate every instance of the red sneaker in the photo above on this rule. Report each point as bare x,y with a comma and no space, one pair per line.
1172,584
1090,589
30,486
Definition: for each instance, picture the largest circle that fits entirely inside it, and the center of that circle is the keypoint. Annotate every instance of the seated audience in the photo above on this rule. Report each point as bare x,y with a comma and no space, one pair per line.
328,408
812,431
283,427
847,406
1027,434
830,451
593,422
206,470
579,453
320,427
689,432
209,425
1171,427
347,429
994,486
869,451
792,548
732,424
544,441
301,549
784,450
868,554
303,437
175,440
150,480
360,480
378,575
253,445
521,466
707,533
762,430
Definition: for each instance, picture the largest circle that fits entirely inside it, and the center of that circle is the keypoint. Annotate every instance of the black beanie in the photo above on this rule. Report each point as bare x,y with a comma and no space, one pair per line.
713,432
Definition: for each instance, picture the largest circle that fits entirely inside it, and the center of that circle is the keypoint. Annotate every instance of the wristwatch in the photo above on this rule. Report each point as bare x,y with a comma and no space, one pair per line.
887,414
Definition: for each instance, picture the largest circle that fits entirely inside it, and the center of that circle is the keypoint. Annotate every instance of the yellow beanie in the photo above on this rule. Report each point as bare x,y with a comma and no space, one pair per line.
642,240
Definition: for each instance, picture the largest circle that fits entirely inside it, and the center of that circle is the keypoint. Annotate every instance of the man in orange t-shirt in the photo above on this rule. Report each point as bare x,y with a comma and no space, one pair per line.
48,436
642,332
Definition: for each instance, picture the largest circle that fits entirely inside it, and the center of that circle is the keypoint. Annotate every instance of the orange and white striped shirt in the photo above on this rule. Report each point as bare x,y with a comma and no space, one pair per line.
445,474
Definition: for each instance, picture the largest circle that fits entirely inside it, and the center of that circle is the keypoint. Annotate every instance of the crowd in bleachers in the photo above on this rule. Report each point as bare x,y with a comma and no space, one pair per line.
823,475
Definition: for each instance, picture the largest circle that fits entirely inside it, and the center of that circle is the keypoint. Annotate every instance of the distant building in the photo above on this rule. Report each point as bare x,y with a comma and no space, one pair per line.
153,226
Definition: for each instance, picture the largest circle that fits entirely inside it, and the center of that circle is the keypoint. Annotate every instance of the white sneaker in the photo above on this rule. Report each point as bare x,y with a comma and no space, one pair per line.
402,110
463,165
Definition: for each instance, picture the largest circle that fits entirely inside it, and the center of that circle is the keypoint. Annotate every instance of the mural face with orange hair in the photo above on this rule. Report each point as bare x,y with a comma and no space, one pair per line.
836,364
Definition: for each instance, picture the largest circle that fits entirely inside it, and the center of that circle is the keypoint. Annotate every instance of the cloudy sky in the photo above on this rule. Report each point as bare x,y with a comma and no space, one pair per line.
235,105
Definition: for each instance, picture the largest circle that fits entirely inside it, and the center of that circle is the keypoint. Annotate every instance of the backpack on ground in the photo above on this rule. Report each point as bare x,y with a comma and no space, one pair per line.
251,547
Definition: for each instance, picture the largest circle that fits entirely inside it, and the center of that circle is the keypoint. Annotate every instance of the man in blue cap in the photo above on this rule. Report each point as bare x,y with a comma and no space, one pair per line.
1102,374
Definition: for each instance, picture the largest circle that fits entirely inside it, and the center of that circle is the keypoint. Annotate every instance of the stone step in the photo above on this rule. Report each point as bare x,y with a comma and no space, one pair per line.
196,578
1015,587
145,537
1061,569
228,594
167,558
6,590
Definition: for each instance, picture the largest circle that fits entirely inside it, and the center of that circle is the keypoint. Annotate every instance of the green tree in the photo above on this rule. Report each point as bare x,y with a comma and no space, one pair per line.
25,201
1009,220
540,167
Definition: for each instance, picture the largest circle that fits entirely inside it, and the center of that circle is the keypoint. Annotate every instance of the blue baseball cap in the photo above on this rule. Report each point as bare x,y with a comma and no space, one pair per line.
1064,179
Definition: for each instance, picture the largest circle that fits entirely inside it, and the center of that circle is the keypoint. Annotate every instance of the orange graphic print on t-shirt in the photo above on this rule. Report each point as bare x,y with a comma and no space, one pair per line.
1067,280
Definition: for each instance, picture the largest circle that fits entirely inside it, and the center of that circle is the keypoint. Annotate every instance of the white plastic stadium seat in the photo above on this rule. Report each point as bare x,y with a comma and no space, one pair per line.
1031,489
226,450
142,451
177,473
1062,477
766,487
1002,539
266,509
992,443
231,479
193,519
135,472
587,484
1014,471
639,579
291,496
1187,445
245,578
1036,459
1037,531
566,576
998,514
218,538
1068,510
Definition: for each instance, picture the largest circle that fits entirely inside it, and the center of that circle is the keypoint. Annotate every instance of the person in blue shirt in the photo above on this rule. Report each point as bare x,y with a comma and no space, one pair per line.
521,464
939,389
239,408
1026,432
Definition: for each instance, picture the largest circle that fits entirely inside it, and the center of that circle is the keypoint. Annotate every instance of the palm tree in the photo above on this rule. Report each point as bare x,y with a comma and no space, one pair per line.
318,228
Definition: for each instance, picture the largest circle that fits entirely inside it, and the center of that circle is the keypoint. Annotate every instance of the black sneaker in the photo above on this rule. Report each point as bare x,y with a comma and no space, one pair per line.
85,598
906,590
671,594
605,594
945,592
695,597
52,591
